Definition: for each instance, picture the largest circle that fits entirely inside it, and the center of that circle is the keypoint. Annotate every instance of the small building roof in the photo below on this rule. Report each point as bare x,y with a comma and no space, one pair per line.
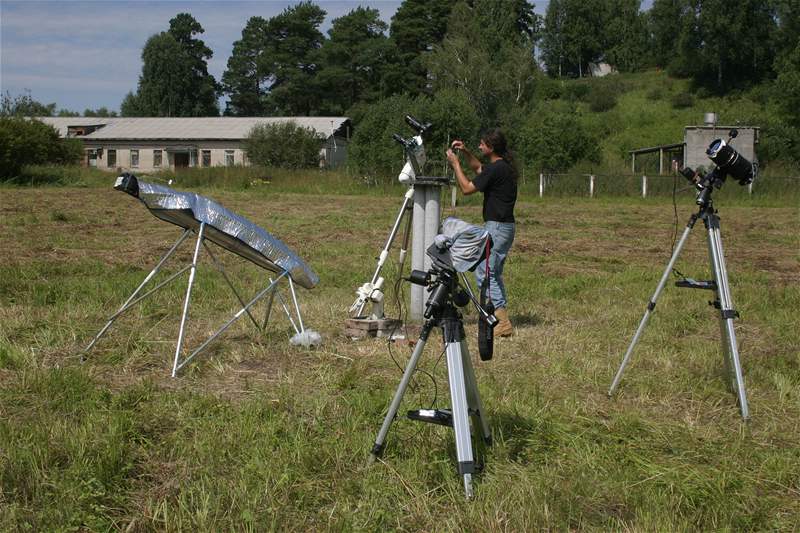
187,128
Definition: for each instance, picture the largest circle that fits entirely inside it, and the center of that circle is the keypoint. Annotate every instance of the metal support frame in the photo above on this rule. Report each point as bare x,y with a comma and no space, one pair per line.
724,303
270,290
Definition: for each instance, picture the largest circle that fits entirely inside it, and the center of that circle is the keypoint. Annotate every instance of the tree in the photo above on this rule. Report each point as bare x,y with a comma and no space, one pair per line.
354,60
31,142
573,35
787,85
720,48
665,21
174,80
726,62
496,75
23,105
283,145
416,27
293,40
246,81
100,112
130,106
202,87
625,35
555,139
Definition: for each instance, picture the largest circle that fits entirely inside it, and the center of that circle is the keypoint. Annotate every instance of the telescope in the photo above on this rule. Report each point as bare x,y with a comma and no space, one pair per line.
728,162
415,151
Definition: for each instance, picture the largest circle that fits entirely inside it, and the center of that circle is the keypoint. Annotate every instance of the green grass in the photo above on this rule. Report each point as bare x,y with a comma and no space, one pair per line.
258,435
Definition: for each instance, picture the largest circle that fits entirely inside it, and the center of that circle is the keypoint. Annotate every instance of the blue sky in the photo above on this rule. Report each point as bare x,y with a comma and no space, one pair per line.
86,54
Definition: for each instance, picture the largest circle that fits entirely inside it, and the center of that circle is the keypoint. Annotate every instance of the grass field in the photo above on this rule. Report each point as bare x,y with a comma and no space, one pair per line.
258,435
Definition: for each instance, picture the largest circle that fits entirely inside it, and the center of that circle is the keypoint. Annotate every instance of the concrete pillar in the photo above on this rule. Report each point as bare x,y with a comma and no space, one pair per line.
427,213
591,186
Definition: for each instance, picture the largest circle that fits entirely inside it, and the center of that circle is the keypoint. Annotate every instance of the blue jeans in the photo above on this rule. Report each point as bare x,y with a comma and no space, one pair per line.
502,237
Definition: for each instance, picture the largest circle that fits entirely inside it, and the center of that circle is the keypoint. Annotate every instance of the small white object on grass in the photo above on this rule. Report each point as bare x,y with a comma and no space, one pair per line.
306,338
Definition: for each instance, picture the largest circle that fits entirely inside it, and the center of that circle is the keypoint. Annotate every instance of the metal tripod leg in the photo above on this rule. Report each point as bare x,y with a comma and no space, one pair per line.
460,409
130,301
358,306
473,397
652,303
188,297
730,352
380,441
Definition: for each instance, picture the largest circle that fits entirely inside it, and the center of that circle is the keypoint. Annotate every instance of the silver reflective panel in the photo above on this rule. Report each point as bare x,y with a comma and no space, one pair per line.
468,243
223,227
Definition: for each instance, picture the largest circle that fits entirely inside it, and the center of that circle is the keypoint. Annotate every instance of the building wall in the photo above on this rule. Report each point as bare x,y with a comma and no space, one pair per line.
146,149
332,153
697,139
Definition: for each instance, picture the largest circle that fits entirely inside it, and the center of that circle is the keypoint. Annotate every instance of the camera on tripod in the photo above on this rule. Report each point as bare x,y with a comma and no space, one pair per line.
415,151
442,282
459,249
728,162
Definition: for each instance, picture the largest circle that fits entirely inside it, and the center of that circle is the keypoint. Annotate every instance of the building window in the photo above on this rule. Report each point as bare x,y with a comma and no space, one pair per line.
112,158
192,158
206,158
228,158
134,158
156,158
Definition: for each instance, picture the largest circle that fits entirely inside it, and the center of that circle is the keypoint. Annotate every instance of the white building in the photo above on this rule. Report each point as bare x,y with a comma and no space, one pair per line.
151,144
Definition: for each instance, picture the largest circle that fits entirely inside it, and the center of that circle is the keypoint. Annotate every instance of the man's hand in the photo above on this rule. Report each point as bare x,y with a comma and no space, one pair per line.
457,145
452,158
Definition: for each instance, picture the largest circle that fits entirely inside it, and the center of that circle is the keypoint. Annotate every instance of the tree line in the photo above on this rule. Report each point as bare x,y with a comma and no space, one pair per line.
487,62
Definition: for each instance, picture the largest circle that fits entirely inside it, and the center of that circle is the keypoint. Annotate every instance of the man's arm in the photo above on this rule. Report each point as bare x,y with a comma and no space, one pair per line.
466,186
473,162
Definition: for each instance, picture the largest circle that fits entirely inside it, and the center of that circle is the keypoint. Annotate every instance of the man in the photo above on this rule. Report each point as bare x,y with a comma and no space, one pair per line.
497,180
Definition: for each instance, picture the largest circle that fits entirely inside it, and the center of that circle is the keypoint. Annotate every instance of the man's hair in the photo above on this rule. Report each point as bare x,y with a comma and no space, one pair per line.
494,137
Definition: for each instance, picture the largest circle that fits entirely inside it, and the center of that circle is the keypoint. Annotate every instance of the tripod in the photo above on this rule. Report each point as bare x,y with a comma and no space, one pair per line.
372,291
441,311
723,301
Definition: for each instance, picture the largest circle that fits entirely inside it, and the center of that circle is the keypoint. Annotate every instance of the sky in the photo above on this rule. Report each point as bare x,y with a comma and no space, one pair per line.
87,54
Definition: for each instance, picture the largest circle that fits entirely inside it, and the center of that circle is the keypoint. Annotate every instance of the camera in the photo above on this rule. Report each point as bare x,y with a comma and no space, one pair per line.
458,249
728,162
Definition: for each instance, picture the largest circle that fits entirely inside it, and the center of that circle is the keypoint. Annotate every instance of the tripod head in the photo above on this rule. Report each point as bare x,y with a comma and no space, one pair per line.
447,293
728,162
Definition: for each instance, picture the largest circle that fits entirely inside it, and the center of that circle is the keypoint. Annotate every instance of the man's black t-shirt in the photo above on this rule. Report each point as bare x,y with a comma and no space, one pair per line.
496,182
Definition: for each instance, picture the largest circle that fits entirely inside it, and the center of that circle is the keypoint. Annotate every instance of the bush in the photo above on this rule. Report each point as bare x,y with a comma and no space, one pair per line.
656,93
553,139
577,91
372,150
682,100
283,145
30,142
602,98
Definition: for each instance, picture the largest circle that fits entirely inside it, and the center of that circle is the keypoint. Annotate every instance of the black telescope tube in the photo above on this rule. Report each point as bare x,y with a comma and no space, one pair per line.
417,125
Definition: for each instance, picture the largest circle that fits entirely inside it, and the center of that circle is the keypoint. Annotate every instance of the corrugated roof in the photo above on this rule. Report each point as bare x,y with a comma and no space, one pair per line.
62,123
228,128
